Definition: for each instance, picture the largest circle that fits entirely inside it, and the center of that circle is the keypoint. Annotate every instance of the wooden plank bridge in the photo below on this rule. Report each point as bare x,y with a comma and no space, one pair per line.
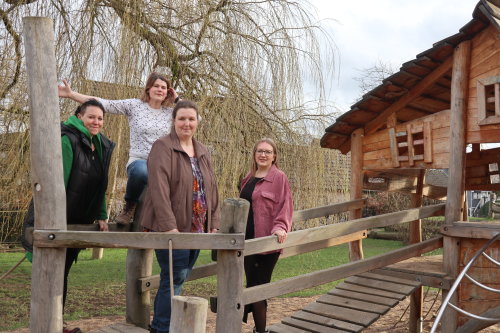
352,306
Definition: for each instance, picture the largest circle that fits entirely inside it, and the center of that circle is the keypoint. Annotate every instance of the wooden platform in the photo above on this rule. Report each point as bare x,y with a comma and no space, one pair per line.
427,269
351,307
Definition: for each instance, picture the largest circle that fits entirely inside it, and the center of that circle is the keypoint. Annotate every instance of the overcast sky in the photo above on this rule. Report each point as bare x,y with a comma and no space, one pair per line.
391,31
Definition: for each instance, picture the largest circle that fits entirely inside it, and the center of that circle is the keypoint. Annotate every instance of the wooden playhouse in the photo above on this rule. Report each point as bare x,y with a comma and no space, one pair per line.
437,112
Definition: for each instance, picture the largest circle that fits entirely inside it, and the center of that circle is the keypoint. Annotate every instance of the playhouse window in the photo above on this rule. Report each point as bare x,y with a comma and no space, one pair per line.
488,100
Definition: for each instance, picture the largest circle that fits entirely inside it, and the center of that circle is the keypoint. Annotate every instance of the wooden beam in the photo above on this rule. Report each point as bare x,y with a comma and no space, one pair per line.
419,88
139,263
356,188
392,120
497,99
416,298
230,269
312,213
416,202
137,240
46,173
394,148
153,282
471,230
411,148
427,142
317,234
273,289
458,115
456,176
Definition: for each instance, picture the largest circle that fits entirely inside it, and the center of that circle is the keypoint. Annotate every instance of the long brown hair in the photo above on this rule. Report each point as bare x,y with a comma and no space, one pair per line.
150,82
253,164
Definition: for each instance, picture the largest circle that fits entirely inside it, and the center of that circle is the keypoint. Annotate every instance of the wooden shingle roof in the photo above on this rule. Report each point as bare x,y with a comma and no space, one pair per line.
421,87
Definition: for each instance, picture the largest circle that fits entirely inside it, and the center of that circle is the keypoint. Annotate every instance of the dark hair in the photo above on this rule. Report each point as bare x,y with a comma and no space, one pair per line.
185,104
150,82
91,102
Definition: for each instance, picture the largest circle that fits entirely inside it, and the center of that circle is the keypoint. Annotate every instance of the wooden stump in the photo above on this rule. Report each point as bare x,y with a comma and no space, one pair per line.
189,314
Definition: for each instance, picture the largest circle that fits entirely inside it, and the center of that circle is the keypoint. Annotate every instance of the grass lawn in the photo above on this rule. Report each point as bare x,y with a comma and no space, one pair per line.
97,287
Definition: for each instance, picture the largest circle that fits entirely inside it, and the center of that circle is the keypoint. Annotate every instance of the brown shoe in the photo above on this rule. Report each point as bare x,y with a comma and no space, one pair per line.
127,214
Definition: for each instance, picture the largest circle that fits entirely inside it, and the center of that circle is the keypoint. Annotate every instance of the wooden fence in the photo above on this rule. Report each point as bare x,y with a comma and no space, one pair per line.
232,248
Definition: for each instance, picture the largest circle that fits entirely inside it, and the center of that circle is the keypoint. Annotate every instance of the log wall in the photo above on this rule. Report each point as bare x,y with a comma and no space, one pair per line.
378,154
485,62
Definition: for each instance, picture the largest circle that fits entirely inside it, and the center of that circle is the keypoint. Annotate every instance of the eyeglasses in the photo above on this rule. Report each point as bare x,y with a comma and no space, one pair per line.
265,152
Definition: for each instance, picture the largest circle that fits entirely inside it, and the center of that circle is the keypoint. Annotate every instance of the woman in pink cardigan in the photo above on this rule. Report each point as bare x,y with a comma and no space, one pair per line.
266,188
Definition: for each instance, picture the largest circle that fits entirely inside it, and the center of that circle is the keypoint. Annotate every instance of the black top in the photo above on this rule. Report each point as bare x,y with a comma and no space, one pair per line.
246,193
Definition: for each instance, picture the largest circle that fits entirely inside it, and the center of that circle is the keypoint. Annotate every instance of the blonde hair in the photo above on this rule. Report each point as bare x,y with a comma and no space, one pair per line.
253,164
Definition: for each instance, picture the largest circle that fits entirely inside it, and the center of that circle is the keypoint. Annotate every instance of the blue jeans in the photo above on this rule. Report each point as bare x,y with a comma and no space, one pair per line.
183,263
137,172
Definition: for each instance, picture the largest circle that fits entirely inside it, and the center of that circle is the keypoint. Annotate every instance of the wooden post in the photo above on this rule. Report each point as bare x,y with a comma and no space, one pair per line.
459,88
416,298
139,264
189,314
230,269
356,247
46,173
465,208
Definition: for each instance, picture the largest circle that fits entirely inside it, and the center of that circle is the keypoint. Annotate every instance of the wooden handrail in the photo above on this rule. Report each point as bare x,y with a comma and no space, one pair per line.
137,240
113,240
202,271
59,238
323,211
301,237
334,234
282,287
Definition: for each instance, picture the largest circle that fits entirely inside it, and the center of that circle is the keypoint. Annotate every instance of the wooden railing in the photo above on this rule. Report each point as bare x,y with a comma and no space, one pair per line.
139,260
307,245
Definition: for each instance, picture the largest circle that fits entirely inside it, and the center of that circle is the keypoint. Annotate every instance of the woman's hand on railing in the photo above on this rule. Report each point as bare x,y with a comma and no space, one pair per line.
281,235
103,225
173,231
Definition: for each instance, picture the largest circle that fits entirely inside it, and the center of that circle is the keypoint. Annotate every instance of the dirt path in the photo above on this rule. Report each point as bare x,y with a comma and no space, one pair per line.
282,307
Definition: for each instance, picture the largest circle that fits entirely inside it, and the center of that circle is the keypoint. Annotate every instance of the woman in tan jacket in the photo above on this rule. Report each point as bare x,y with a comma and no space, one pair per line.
181,197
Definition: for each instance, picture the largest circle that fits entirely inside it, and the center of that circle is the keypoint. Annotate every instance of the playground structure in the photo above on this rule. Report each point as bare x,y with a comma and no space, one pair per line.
420,118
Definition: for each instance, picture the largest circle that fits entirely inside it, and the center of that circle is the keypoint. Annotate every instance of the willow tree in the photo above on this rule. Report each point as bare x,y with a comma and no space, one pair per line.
245,63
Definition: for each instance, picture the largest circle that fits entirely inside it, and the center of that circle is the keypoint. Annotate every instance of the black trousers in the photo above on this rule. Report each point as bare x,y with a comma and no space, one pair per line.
258,270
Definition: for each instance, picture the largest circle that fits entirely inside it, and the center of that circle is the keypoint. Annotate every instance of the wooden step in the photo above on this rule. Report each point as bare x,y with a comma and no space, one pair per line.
353,304
364,297
337,312
327,321
282,328
311,327
370,291
388,278
382,285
